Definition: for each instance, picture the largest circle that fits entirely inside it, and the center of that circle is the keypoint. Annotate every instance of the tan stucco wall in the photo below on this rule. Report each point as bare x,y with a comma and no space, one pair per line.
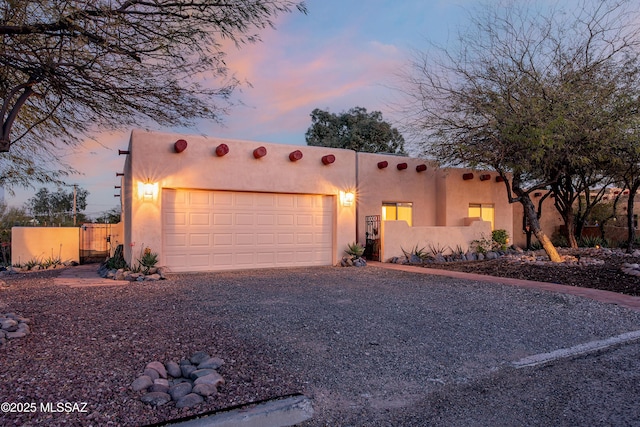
153,158
376,186
43,243
455,194
398,236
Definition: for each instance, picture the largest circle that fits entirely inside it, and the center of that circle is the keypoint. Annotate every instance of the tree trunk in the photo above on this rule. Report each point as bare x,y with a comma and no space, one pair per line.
569,223
631,231
534,224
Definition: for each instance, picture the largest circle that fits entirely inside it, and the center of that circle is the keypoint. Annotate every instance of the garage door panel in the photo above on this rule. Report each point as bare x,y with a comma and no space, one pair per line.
199,218
196,239
222,219
244,219
287,219
245,239
175,218
217,230
199,198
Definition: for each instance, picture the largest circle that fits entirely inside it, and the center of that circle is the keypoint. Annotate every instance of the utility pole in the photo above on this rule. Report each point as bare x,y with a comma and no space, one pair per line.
75,191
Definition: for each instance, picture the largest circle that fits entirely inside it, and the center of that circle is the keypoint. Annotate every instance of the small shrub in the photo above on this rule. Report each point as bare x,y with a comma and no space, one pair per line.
415,252
500,239
117,260
148,260
437,249
354,250
482,245
592,242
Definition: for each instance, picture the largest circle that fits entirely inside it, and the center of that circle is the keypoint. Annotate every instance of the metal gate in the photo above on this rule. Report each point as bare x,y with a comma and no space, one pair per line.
372,246
95,242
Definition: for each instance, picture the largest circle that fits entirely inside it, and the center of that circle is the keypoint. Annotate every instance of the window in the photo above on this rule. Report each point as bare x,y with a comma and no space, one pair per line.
394,211
482,211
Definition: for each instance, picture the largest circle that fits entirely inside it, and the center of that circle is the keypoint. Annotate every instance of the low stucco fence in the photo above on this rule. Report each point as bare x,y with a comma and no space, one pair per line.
398,237
44,243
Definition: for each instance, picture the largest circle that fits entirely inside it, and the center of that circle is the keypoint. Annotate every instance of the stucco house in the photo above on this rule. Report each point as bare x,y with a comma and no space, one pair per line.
205,204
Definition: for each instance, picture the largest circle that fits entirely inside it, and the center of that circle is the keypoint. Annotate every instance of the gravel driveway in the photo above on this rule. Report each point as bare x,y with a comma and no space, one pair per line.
370,346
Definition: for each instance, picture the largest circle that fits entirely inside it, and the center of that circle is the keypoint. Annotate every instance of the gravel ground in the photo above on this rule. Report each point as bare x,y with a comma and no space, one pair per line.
367,344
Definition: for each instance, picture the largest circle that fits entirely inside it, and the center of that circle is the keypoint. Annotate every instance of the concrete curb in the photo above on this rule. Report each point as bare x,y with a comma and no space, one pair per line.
577,350
275,413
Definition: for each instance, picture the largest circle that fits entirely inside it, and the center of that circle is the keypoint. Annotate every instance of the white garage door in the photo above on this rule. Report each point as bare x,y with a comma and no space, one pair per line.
222,230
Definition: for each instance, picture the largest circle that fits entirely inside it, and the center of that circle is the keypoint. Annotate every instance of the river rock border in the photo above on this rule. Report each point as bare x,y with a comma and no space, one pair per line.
186,383
13,326
154,274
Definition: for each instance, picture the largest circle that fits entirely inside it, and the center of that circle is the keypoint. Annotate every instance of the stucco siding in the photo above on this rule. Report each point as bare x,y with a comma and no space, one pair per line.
44,243
153,159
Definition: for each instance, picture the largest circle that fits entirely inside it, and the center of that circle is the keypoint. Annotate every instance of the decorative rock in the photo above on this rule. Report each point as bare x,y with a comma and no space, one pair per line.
173,369
151,373
415,259
180,390
205,389
159,367
17,334
189,401
214,378
156,398
160,388
119,275
152,277
201,373
211,363
141,383
161,385
199,357
187,370
9,325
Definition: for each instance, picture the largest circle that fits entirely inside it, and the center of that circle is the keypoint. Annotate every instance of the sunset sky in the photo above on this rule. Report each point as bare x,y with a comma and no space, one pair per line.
342,54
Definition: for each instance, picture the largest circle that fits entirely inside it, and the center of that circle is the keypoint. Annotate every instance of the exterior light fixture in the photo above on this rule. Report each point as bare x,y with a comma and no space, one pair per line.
485,177
147,191
383,164
402,166
467,176
421,168
347,198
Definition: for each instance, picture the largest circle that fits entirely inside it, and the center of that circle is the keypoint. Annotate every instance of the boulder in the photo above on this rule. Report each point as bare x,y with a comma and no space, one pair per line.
141,383
189,401
156,398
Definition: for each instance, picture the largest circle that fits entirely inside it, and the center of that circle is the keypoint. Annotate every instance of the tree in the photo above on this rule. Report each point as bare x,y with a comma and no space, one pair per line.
112,216
10,216
354,130
57,208
70,67
531,92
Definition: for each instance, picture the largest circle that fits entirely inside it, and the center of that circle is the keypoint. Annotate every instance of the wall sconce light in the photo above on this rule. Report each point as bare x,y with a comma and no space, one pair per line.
383,164
421,168
485,177
347,198
467,176
148,191
401,166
